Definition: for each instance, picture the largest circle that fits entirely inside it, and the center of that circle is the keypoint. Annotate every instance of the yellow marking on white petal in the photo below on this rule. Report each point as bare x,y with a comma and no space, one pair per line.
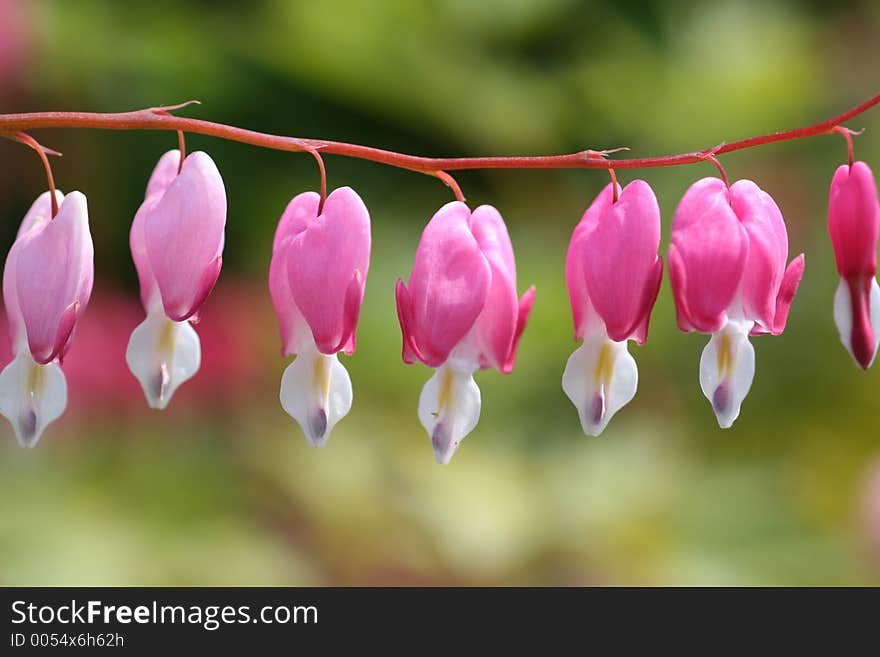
444,399
165,345
36,380
322,377
604,366
725,355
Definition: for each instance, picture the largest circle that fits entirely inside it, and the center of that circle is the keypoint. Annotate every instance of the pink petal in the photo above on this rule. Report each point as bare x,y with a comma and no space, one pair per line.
137,243
575,276
449,284
322,260
651,291
36,218
410,352
290,320
787,289
768,250
66,325
54,269
301,212
490,231
854,220
10,299
183,235
709,255
354,295
678,281
39,214
620,260
525,309
210,274
496,325
163,174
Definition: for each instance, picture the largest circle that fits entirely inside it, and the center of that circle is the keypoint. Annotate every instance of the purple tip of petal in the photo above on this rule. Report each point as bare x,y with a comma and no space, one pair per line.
721,399
597,407
27,426
441,441
318,427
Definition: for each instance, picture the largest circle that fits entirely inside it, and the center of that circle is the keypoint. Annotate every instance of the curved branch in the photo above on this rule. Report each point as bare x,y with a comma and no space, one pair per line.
161,119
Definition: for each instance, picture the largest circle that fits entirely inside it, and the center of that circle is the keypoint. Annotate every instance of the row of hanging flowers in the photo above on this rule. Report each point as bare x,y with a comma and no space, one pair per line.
459,311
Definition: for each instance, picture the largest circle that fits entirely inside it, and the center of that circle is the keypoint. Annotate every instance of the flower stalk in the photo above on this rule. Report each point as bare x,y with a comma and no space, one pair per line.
161,118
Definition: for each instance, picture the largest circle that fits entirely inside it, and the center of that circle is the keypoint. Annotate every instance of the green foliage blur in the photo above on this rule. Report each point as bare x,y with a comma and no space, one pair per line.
229,492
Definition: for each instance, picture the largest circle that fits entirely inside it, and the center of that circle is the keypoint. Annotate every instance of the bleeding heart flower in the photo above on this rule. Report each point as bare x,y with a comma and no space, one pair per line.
459,314
177,244
47,282
854,225
728,275
317,278
613,275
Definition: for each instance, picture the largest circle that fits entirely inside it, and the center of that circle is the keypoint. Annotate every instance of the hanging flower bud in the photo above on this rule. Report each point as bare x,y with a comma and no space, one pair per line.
459,314
47,282
177,244
317,278
854,226
729,279
613,275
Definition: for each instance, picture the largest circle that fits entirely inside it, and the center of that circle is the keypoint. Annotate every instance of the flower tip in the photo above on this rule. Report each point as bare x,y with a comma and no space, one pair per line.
317,434
721,404
158,396
26,429
857,315
32,396
863,350
443,444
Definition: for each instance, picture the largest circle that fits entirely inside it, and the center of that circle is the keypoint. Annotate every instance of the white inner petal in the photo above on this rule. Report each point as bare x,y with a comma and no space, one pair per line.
843,315
162,354
449,409
31,396
727,368
600,378
316,391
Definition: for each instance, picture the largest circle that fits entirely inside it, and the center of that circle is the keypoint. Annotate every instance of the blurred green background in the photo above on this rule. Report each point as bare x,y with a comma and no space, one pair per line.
223,489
